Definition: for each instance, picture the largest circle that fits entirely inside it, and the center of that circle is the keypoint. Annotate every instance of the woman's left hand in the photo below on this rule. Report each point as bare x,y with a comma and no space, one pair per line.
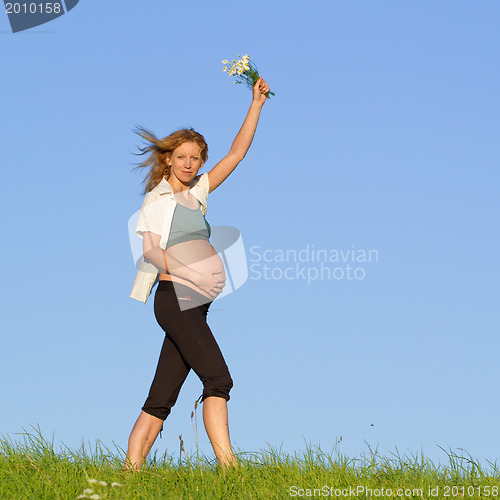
260,89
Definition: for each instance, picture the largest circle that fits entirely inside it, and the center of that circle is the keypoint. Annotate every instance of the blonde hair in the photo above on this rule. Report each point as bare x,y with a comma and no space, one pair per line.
160,151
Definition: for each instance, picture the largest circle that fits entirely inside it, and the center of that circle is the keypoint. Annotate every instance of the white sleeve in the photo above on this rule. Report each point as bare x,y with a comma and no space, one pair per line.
151,216
202,185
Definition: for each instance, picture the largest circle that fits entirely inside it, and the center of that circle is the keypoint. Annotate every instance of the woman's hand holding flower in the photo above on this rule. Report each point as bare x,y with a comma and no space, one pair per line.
260,89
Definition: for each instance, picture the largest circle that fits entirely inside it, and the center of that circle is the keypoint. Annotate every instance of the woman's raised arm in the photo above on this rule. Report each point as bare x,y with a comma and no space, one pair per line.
219,173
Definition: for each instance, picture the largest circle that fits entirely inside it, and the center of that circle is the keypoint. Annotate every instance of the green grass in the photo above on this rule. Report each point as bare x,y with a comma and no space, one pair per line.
32,469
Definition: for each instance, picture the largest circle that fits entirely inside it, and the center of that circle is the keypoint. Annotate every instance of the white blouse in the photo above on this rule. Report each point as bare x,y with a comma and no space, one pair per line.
156,216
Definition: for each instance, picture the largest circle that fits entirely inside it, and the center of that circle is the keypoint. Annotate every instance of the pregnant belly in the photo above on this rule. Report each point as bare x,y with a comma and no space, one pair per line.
199,255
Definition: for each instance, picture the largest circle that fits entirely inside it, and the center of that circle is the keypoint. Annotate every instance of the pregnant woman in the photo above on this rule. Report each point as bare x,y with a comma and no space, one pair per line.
177,252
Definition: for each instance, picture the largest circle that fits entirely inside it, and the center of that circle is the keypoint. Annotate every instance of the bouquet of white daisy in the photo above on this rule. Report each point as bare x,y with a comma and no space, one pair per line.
244,70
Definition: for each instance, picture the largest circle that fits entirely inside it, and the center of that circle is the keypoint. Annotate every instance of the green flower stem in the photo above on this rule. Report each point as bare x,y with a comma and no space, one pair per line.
250,77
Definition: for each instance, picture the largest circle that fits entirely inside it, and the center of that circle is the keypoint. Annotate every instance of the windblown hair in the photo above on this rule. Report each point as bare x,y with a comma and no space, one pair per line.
161,151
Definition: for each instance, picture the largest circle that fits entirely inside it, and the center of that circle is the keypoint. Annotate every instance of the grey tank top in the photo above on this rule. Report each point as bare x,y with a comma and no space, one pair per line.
188,224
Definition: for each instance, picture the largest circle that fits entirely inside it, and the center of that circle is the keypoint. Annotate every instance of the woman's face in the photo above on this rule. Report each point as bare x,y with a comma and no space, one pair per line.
186,161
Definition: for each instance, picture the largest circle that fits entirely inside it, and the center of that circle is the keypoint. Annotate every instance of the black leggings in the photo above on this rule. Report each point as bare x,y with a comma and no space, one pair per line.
189,343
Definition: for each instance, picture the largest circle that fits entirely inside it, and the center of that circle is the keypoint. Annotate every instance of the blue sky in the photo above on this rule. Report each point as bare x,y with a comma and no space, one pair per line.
382,136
